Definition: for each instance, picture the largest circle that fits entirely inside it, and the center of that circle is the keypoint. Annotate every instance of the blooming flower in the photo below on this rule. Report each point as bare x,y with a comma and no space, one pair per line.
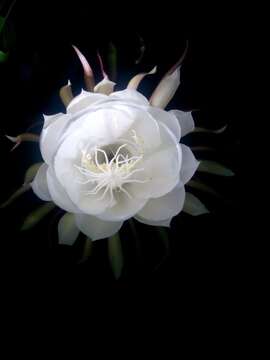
115,155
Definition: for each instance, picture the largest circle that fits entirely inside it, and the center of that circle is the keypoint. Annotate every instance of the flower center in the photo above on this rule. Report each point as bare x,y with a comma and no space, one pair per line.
111,167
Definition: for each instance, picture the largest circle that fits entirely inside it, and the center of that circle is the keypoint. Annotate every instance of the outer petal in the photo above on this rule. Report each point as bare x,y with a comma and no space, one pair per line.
84,100
136,80
130,96
189,164
166,89
40,185
164,207
49,119
95,228
161,168
51,134
168,119
124,208
185,120
165,223
67,229
59,194
193,206
105,86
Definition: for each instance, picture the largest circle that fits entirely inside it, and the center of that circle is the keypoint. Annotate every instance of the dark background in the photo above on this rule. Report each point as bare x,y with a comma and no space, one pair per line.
207,252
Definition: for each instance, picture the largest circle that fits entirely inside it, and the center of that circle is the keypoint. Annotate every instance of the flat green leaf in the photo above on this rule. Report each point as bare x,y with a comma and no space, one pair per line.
3,56
115,255
15,195
87,250
213,167
31,172
198,185
37,215
67,230
210,131
193,206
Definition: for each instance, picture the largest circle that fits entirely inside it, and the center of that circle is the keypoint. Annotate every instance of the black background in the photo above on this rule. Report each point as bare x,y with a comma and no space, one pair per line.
207,252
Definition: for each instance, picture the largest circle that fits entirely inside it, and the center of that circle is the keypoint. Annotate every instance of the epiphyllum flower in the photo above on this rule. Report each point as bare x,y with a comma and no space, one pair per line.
115,155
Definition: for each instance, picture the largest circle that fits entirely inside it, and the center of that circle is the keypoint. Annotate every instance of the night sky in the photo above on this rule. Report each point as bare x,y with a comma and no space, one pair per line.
204,251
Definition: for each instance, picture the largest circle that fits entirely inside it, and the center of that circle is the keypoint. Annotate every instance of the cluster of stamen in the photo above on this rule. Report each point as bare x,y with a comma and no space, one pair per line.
109,175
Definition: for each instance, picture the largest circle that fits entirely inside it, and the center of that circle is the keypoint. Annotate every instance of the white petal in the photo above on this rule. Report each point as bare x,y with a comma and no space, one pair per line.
189,164
49,119
105,86
193,206
50,136
145,130
67,229
136,80
168,119
129,96
165,223
40,185
164,207
95,228
84,100
166,90
59,194
161,168
124,208
185,120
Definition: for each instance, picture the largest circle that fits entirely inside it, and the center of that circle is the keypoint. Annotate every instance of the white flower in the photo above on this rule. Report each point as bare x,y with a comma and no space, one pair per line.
114,156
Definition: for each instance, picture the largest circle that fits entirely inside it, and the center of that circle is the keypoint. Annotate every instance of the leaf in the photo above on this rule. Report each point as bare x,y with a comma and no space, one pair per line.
112,61
15,195
3,56
198,185
67,230
213,167
193,206
218,131
87,250
115,255
31,172
37,215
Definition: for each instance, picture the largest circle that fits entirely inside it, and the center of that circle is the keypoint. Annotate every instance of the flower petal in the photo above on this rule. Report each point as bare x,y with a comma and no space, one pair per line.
40,185
193,206
49,119
84,100
96,228
165,223
52,131
185,120
189,164
168,119
59,194
105,86
129,96
67,229
164,207
124,207
161,168
166,89
136,80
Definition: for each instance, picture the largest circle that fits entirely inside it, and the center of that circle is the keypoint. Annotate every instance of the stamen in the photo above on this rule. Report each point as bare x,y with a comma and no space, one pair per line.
111,175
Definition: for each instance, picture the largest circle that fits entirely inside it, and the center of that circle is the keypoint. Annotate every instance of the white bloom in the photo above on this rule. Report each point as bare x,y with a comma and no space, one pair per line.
114,156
